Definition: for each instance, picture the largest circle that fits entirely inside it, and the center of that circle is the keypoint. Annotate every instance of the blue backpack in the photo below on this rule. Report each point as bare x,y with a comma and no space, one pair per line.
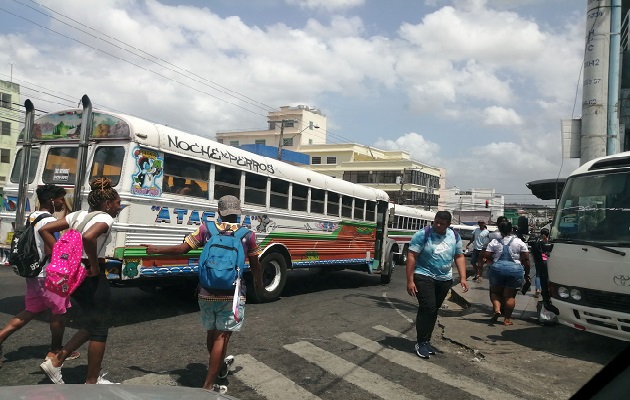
222,260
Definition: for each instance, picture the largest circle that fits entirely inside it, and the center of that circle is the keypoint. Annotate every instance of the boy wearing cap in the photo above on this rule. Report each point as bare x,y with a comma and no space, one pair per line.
217,316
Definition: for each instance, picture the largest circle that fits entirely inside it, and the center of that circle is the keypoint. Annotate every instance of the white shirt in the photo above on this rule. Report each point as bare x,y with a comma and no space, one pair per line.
39,242
102,240
516,248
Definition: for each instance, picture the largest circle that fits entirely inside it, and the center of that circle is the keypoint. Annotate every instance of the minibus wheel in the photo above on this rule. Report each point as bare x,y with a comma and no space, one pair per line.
389,266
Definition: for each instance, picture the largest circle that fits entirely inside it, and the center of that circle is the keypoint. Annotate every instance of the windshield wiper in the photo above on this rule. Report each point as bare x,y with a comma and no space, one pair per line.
590,243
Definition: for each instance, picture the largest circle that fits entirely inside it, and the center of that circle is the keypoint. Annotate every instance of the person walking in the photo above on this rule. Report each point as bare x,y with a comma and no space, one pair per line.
540,254
430,275
510,268
217,314
37,299
480,239
93,295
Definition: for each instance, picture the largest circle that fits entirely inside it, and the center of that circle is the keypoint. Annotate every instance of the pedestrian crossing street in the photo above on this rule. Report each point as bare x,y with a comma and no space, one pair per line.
271,384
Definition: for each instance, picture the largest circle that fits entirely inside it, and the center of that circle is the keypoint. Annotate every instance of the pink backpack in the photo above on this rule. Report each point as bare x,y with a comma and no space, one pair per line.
65,272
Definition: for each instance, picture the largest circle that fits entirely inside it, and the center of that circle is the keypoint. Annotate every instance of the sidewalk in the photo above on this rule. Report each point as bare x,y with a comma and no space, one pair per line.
474,306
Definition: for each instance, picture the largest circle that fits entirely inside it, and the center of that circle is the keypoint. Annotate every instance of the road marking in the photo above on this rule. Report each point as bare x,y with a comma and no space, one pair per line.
411,361
351,372
268,382
390,331
397,310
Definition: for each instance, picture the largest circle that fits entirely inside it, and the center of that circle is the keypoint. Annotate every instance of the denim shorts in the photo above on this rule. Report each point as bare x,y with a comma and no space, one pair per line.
218,314
509,276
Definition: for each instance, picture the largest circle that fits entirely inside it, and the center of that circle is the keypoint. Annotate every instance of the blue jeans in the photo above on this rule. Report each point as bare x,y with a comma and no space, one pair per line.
509,275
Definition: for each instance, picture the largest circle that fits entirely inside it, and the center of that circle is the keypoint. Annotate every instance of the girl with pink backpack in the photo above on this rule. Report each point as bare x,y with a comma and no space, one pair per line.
93,294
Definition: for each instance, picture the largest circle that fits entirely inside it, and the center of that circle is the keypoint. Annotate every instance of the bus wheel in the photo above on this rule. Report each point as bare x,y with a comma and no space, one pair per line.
389,265
403,256
274,269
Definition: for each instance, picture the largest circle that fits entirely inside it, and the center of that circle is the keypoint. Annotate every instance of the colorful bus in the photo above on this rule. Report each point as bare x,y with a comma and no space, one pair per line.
589,264
169,182
404,221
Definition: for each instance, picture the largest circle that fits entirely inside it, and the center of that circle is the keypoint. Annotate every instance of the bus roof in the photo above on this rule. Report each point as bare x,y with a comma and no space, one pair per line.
165,138
620,160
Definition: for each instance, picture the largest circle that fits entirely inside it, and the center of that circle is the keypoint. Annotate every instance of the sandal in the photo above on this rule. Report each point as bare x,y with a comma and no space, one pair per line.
495,317
508,322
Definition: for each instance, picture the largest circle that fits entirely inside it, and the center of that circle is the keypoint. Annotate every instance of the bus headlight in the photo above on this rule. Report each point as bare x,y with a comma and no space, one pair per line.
563,292
576,294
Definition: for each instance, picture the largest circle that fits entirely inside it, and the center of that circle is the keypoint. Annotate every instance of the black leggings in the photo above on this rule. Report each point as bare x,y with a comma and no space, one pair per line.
94,297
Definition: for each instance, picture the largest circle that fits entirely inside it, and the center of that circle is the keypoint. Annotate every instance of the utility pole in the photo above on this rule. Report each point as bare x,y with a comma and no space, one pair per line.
281,142
402,184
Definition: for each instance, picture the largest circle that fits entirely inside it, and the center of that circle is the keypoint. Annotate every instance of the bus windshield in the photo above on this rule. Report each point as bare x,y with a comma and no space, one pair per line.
595,208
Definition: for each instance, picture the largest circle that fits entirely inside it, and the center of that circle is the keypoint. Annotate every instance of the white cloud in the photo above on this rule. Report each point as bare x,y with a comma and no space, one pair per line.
501,116
418,147
328,5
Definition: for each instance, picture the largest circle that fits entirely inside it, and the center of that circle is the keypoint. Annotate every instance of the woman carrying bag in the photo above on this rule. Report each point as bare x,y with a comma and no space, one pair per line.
508,272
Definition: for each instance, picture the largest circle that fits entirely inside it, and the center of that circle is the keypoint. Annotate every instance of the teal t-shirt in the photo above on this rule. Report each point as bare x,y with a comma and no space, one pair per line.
435,258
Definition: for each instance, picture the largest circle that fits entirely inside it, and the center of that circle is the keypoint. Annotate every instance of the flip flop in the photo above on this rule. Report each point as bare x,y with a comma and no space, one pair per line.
495,317
508,322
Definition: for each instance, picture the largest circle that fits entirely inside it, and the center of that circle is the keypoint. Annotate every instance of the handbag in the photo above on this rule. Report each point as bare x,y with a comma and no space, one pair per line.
526,287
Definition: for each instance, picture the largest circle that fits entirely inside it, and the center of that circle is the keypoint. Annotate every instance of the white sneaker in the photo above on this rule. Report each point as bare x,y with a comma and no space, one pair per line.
53,373
225,368
221,389
102,381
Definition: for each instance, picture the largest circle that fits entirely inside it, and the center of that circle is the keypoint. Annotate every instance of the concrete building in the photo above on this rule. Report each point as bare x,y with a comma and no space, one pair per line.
470,206
296,126
10,121
303,129
405,180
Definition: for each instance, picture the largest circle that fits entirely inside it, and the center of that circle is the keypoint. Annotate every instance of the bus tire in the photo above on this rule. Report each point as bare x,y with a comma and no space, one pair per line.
403,255
389,266
274,269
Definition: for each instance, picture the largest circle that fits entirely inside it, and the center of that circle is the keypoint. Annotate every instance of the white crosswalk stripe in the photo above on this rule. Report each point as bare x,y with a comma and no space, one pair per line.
352,373
411,361
267,382
271,384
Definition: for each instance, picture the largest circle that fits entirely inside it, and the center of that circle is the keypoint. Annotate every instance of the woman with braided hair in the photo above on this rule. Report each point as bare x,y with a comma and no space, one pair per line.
93,295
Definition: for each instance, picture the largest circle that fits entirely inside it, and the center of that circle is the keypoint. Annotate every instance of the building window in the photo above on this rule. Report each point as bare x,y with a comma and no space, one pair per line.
260,141
5,156
220,141
331,160
316,160
234,143
287,142
310,141
5,99
6,128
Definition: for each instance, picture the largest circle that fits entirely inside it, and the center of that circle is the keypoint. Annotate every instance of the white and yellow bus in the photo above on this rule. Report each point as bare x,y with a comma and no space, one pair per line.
169,182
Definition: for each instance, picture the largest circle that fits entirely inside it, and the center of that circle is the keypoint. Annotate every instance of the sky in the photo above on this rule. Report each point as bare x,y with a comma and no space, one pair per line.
478,87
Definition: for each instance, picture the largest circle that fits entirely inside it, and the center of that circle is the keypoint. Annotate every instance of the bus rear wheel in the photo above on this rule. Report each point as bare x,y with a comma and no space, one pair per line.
274,270
389,266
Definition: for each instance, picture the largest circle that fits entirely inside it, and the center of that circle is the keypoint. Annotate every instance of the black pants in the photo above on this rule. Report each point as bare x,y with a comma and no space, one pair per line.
431,294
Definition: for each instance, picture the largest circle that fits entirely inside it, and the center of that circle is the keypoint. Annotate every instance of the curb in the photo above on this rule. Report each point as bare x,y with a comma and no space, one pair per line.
459,299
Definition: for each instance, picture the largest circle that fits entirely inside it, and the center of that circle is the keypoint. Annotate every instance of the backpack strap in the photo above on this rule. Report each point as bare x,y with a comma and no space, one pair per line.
212,228
87,219
241,232
39,218
427,233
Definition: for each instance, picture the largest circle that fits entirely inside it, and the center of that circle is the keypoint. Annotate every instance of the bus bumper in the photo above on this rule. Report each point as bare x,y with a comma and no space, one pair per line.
596,320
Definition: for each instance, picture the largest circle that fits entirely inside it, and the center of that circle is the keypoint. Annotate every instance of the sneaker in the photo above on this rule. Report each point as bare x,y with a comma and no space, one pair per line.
225,368
73,356
102,381
221,389
431,348
53,373
537,294
422,350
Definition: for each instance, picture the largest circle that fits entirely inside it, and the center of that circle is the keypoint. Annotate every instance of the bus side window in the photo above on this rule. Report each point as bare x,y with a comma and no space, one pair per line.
317,200
61,165
107,163
226,181
186,177
370,212
279,196
359,209
299,198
